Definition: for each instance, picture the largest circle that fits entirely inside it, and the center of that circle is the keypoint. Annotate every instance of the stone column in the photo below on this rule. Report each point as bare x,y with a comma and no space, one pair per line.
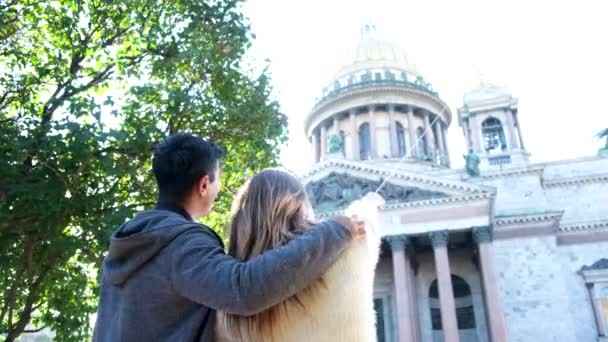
411,126
511,123
392,126
403,274
467,137
444,138
372,133
439,140
493,305
336,129
597,310
475,134
354,134
521,138
427,136
315,146
323,140
414,295
449,325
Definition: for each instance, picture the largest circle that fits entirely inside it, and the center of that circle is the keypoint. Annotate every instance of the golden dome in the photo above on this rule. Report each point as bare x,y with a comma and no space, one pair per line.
372,52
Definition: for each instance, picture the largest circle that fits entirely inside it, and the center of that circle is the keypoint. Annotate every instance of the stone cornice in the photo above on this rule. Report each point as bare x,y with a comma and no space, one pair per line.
533,170
399,175
550,216
583,226
574,181
371,90
421,204
406,92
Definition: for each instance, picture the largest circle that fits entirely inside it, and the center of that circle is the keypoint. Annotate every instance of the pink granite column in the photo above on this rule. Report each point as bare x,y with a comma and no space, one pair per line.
521,138
444,137
449,324
372,133
315,146
323,141
493,305
354,131
511,123
414,295
428,137
403,274
392,126
439,141
411,126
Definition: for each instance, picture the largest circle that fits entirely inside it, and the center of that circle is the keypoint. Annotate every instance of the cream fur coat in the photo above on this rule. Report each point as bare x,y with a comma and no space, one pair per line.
337,309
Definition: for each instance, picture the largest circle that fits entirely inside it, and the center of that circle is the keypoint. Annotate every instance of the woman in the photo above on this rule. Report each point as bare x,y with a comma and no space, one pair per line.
271,209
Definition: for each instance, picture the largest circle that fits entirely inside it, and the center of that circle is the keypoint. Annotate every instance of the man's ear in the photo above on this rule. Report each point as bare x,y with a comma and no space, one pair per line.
203,184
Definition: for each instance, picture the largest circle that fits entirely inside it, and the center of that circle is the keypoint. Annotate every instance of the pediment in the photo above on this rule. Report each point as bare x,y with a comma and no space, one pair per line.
333,184
336,190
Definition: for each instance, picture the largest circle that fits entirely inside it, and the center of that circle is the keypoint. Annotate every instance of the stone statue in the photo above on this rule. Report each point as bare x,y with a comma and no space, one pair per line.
472,163
336,144
603,134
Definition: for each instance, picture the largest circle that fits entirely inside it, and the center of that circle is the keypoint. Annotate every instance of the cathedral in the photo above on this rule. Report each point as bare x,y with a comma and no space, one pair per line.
501,250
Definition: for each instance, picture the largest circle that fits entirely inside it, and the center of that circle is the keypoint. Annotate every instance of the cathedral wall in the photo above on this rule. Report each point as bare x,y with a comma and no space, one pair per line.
523,194
572,259
582,201
575,168
535,290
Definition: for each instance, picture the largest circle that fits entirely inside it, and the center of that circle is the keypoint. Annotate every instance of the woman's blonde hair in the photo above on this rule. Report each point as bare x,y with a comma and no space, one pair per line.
269,210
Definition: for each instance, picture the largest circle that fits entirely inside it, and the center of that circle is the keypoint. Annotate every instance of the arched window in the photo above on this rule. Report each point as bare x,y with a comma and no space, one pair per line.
400,140
422,150
465,314
365,148
493,135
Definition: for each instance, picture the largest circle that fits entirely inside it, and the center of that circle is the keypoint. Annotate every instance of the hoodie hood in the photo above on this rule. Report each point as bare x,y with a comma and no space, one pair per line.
141,239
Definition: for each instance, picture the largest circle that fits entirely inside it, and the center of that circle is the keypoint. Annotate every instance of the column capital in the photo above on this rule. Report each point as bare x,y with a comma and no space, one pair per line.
391,106
398,242
439,238
371,108
352,111
483,234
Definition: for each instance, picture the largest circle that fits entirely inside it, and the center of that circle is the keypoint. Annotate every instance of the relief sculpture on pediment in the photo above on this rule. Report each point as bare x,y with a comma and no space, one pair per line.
337,190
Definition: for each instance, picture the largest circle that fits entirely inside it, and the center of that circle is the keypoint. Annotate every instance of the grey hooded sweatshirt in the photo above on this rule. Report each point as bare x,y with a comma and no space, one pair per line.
165,276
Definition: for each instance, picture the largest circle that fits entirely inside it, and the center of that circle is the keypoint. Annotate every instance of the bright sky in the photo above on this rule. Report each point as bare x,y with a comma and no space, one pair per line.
553,55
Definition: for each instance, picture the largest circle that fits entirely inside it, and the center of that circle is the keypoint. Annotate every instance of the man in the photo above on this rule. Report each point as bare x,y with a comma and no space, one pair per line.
165,275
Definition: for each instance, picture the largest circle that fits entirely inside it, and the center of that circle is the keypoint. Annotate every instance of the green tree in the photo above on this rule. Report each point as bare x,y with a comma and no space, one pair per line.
86,88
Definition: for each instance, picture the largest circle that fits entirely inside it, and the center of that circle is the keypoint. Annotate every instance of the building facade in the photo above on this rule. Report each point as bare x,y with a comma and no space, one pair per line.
503,250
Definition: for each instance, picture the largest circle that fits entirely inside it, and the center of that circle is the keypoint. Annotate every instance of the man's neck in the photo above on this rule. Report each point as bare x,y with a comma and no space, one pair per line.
174,206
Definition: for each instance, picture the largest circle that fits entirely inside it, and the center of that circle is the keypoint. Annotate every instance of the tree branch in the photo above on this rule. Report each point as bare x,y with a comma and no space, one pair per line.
33,331
26,313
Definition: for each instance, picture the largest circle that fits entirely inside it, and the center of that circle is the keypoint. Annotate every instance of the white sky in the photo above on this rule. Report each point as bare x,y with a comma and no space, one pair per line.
553,55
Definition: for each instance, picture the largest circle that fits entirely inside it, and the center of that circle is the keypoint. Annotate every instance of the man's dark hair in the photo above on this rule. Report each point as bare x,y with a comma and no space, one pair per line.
180,161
